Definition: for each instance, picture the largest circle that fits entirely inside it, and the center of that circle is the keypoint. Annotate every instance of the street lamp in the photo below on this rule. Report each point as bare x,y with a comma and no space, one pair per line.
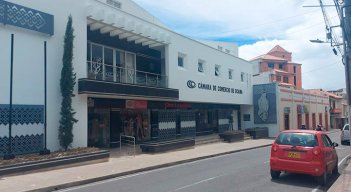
317,41
320,41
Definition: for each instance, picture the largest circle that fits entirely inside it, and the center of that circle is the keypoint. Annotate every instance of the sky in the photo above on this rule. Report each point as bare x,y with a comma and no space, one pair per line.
256,26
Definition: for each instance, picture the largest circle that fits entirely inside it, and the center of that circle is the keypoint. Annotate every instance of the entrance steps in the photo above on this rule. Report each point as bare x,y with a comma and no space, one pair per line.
247,136
207,139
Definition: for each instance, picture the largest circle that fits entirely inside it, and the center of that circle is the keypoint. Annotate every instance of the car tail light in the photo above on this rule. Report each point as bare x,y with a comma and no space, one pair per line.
275,148
316,151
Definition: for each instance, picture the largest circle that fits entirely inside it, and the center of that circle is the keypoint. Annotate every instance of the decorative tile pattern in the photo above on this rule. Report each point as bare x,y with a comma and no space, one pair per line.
188,123
24,17
167,124
22,114
2,11
20,15
22,144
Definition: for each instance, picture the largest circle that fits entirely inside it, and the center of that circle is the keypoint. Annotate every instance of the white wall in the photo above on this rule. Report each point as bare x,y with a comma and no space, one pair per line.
28,65
193,51
232,47
262,78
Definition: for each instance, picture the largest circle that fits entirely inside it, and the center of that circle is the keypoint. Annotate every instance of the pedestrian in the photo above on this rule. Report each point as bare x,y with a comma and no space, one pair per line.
319,128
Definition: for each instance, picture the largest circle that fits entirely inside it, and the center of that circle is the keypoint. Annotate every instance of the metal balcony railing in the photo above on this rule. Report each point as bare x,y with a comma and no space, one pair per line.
105,72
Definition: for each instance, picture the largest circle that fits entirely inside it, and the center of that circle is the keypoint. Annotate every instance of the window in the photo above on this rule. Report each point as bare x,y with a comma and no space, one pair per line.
242,77
297,139
246,117
294,69
230,73
271,65
181,58
326,141
279,78
295,80
280,66
285,79
217,70
200,66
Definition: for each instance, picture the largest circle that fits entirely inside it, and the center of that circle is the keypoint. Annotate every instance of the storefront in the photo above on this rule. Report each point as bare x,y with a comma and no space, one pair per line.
108,119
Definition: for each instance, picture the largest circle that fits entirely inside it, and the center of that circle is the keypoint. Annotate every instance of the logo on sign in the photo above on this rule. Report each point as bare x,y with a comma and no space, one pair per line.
191,84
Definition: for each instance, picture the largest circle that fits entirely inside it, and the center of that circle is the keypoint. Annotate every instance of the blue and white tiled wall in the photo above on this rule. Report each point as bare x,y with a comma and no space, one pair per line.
27,128
167,124
187,123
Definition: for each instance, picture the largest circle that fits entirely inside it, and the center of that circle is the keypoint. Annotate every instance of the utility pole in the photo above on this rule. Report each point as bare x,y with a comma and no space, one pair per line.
346,31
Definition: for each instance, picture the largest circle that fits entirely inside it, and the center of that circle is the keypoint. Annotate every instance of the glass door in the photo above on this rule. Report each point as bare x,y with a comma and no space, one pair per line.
96,66
99,127
108,64
130,68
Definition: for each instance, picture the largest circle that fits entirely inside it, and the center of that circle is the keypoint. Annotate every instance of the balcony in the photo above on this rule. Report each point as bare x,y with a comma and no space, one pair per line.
336,110
104,72
103,79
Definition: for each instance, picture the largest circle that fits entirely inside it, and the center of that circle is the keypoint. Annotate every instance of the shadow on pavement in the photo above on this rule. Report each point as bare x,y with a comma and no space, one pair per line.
306,181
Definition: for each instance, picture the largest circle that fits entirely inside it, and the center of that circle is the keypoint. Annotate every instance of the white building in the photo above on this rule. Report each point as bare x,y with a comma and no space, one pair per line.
134,76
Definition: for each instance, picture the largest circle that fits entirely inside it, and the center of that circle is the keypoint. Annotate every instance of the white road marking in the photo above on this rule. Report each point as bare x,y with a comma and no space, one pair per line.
343,160
316,189
199,182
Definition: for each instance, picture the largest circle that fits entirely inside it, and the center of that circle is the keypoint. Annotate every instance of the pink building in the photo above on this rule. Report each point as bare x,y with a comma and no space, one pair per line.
278,62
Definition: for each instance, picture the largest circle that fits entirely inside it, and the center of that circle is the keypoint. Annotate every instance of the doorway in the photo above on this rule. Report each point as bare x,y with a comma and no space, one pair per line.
286,121
313,121
299,121
115,127
307,120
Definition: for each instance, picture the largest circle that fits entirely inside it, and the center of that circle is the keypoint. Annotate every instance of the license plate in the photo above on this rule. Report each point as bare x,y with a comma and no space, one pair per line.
295,155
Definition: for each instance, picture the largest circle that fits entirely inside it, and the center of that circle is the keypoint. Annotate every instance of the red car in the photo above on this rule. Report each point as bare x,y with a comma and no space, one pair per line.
305,152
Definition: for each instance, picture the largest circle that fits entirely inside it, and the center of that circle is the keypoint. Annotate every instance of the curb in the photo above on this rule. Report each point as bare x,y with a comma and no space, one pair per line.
339,182
92,180
55,163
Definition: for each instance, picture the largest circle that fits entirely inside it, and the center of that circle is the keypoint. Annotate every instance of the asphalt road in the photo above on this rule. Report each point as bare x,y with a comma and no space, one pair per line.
245,171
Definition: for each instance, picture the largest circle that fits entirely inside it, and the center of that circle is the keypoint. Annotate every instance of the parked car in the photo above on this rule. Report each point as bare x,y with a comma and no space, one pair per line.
304,152
345,135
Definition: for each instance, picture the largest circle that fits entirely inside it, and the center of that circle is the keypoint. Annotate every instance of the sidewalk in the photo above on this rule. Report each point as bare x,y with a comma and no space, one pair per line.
343,183
119,166
124,165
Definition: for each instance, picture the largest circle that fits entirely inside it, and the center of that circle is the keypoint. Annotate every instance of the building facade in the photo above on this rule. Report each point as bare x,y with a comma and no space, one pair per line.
135,77
293,106
279,65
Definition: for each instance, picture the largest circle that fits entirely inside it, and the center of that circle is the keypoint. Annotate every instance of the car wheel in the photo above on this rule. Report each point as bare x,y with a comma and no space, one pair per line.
275,174
322,180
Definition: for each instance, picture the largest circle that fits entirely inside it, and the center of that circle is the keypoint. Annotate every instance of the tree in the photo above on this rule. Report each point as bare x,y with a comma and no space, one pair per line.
67,82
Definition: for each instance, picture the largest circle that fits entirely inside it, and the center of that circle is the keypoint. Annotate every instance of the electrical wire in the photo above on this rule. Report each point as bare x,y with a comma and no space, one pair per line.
322,67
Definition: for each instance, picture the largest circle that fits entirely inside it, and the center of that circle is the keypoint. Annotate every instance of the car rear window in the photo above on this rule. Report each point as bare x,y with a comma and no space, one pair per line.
297,139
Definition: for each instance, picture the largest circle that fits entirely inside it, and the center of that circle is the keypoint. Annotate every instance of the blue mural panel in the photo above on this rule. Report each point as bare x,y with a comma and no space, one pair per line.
22,114
24,17
265,103
22,144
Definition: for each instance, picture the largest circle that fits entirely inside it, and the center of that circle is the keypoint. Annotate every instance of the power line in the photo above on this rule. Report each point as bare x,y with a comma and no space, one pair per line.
322,67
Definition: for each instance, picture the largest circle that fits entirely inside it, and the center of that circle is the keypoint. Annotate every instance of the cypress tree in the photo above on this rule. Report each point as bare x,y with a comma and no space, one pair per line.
67,82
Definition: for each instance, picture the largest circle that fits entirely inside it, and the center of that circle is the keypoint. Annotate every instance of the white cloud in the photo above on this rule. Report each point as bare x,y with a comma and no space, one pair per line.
269,22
